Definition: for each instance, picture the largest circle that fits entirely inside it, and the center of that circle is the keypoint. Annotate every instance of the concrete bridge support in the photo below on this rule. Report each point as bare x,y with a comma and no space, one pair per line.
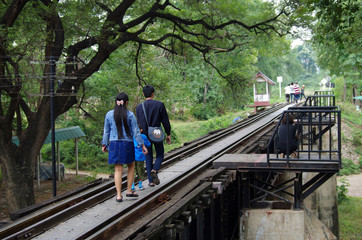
276,224
323,203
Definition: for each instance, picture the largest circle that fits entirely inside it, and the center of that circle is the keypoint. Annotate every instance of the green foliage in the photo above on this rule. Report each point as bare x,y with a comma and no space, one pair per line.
357,138
297,64
90,156
350,113
349,167
203,112
337,38
191,130
90,178
354,120
342,190
339,88
350,215
149,38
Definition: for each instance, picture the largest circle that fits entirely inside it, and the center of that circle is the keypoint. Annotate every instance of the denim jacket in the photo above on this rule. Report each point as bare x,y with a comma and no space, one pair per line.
110,129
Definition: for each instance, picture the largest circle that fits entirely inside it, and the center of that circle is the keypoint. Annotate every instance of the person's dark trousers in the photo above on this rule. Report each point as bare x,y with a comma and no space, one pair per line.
287,96
291,97
296,97
149,159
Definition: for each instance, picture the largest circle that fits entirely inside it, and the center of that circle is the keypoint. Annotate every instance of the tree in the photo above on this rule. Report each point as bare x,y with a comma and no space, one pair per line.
81,36
337,39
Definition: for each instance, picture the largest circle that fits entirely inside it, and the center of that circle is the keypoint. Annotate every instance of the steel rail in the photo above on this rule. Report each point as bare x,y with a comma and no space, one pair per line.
194,146
26,228
118,221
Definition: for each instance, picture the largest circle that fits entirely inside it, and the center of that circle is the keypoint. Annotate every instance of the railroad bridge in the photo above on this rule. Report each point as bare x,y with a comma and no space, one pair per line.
229,184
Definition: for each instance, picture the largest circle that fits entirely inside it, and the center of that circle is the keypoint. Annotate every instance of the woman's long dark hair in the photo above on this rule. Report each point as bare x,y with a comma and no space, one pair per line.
120,114
288,118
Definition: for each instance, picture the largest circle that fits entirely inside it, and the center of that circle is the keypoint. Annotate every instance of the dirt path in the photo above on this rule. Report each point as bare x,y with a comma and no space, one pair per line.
97,175
355,188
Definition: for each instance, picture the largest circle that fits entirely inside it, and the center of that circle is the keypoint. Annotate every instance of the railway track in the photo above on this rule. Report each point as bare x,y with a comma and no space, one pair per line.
94,203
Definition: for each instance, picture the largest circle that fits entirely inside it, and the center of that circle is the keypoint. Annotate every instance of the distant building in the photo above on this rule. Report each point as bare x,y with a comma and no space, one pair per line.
261,85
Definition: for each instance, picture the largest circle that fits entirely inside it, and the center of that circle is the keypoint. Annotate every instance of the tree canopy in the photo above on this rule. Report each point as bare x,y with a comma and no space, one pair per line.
337,38
83,35
199,50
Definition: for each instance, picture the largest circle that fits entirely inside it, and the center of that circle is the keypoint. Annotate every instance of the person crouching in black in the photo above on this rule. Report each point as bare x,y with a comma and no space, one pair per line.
288,136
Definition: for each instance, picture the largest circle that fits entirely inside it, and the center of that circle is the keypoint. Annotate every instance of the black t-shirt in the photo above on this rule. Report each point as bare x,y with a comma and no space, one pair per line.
156,114
285,136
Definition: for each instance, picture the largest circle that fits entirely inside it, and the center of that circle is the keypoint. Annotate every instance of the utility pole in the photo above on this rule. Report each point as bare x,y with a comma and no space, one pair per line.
52,122
52,64
280,80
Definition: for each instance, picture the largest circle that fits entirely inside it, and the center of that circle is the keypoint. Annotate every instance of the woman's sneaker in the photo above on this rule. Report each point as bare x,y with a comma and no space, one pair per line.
133,187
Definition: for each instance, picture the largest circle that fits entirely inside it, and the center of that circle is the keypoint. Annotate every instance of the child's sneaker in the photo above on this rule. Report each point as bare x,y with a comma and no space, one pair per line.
133,187
140,186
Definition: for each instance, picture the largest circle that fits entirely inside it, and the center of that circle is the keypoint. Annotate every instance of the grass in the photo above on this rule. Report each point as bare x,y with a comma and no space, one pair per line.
350,113
185,131
353,118
350,209
182,131
350,218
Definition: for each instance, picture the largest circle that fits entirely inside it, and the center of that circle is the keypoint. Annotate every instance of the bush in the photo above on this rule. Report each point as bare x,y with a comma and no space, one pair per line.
349,167
90,155
342,190
350,113
357,138
203,112
339,88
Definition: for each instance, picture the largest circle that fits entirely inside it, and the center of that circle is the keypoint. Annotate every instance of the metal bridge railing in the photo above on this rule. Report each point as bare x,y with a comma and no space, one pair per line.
316,142
324,93
320,100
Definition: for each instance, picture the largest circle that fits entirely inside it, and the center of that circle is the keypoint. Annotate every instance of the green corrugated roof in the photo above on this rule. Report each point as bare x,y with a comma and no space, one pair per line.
60,135
65,134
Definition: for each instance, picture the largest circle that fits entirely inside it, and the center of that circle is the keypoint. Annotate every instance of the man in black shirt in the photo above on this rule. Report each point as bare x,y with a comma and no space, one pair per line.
156,114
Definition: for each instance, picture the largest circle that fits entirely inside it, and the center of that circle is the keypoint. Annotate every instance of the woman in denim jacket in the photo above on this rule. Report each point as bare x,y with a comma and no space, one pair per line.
120,127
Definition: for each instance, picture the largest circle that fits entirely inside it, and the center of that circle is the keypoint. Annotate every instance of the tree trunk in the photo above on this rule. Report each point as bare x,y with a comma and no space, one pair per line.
344,91
17,161
354,94
207,83
18,181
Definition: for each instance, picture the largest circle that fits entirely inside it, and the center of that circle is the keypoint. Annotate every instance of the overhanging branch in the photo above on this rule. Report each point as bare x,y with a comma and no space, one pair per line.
140,80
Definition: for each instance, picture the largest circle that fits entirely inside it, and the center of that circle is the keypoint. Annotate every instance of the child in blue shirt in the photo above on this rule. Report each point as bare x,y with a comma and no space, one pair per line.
140,158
